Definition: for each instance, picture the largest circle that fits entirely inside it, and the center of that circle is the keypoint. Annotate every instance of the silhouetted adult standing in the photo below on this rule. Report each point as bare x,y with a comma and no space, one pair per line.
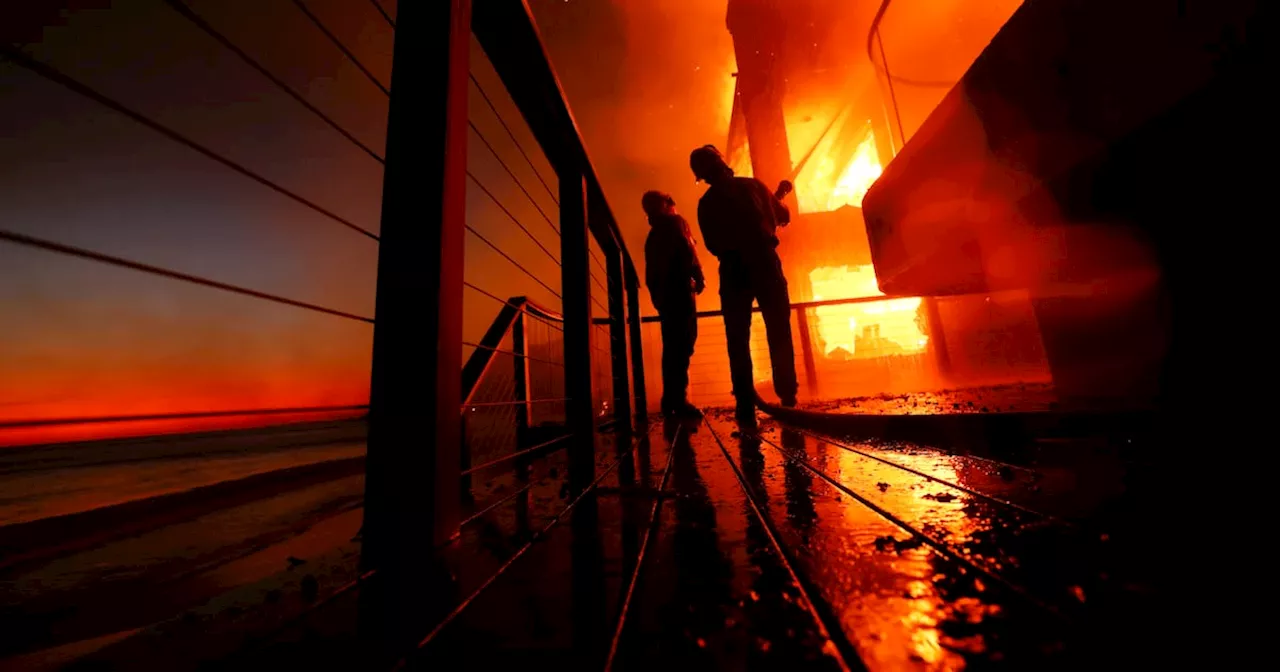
674,277
739,218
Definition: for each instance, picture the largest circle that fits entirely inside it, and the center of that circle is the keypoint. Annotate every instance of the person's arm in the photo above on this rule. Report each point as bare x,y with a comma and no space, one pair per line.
699,280
707,224
653,271
781,213
690,253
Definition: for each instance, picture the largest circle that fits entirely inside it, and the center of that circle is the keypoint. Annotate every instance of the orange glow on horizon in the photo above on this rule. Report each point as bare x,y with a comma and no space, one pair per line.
94,431
178,369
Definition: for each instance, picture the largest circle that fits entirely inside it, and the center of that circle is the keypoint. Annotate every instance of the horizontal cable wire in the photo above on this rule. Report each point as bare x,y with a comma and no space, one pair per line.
515,263
381,10
507,168
547,322
503,500
511,216
350,56
500,351
341,47
525,191
23,239
493,108
181,7
519,147
539,535
355,61
596,258
520,453
49,72
483,404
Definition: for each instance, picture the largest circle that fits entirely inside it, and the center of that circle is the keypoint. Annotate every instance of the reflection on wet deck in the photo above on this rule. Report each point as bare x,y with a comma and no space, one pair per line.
711,545
766,547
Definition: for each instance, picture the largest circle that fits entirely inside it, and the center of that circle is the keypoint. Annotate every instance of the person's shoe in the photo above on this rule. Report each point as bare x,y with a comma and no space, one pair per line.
789,401
745,413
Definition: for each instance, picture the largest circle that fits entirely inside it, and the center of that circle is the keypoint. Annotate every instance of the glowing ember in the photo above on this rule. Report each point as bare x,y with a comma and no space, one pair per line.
864,330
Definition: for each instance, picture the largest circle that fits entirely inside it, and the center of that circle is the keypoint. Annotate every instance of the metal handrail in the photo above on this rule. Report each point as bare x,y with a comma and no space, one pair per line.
648,319
525,69
473,371
558,441
875,38
874,33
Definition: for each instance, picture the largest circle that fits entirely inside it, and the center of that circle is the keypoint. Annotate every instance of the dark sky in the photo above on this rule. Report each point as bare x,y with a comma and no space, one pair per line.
85,339
648,82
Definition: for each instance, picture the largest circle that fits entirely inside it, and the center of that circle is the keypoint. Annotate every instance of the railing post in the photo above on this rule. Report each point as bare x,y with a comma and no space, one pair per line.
524,411
521,375
413,468
806,350
937,337
575,291
875,42
466,496
618,339
637,346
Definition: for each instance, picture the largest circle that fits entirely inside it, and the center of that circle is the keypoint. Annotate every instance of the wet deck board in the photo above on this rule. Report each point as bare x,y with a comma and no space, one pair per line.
900,602
1054,590
714,593
772,548
552,604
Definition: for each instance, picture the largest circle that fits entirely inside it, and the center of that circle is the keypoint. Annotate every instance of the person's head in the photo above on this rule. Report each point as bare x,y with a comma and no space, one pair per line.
656,204
708,164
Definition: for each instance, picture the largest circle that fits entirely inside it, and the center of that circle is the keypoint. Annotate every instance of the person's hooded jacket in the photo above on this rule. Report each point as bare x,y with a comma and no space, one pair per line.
672,271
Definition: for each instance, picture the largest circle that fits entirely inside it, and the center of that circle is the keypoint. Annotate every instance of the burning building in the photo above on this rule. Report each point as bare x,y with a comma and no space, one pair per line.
810,105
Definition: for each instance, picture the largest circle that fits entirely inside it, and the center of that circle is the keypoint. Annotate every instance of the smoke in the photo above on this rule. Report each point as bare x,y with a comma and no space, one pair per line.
647,82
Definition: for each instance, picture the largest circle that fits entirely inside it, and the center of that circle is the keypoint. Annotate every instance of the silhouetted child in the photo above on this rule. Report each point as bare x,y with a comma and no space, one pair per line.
674,277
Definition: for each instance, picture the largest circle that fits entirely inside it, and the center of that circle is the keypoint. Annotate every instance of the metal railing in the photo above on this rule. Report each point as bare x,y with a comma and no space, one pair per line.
909,98
541,383
514,405
541,379
979,339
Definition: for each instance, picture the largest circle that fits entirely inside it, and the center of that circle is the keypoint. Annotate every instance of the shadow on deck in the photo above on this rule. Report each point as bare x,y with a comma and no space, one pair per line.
708,545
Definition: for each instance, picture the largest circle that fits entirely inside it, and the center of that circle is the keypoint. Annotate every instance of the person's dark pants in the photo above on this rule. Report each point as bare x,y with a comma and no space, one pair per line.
759,279
679,333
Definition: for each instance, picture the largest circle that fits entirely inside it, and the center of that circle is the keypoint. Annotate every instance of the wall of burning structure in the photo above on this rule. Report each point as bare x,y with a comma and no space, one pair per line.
1086,176
810,105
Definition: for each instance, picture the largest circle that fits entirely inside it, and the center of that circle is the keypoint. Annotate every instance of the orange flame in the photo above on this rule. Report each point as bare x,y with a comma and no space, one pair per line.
858,177
864,330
